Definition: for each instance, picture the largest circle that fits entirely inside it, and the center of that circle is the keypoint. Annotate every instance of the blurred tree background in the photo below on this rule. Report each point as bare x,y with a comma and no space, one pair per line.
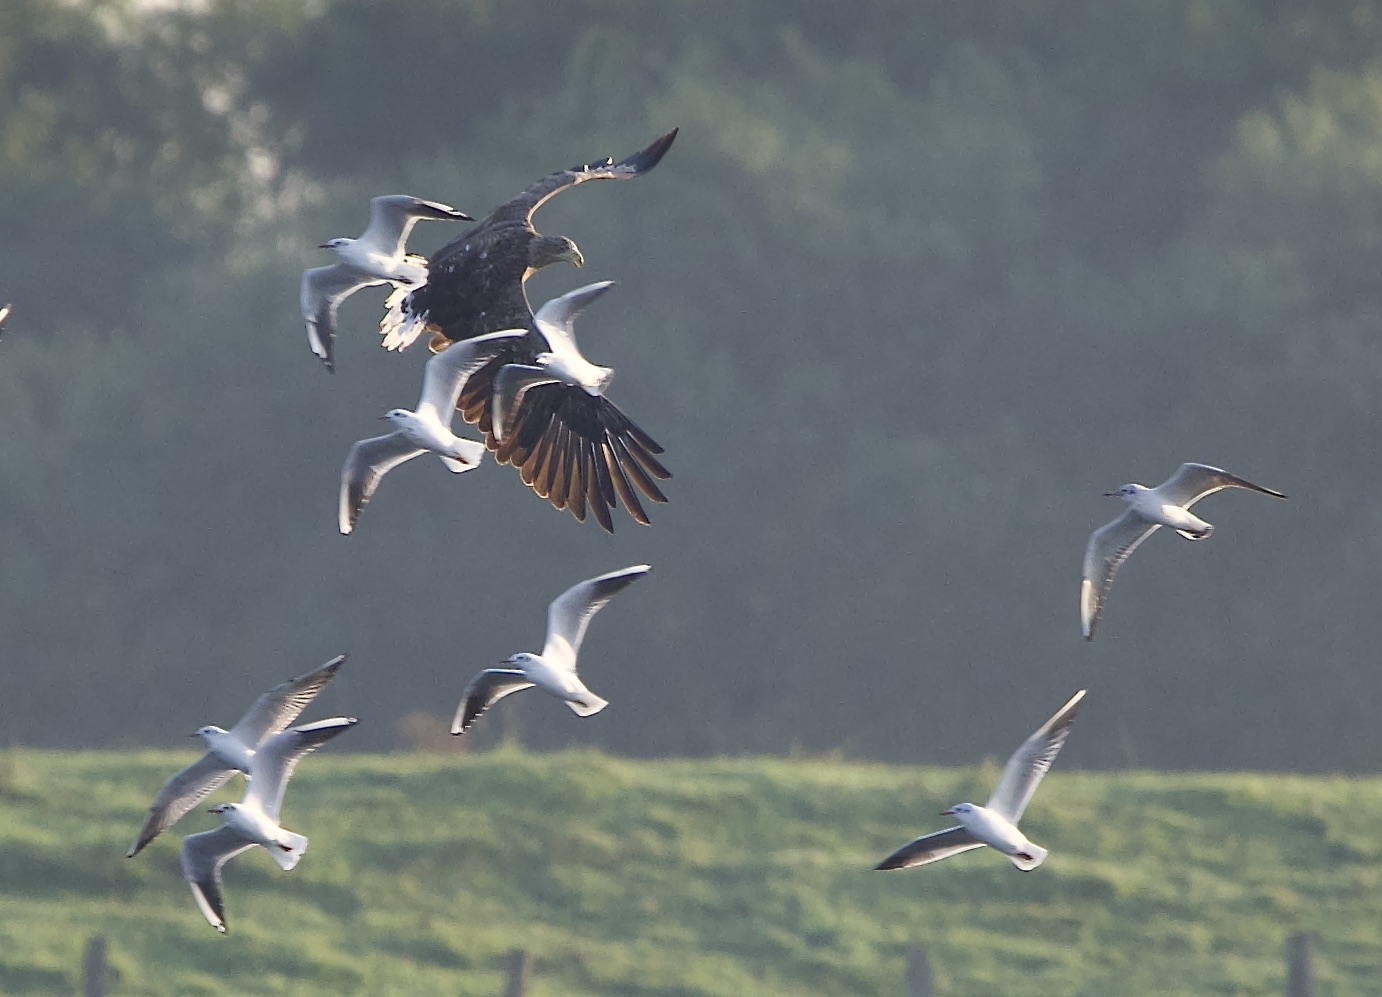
916,284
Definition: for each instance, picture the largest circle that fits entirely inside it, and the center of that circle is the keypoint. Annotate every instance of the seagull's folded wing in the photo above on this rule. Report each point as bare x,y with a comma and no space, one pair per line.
274,762
1109,546
569,613
392,217
483,691
931,848
365,466
556,320
202,857
1032,761
511,385
321,292
179,795
1192,482
281,705
448,370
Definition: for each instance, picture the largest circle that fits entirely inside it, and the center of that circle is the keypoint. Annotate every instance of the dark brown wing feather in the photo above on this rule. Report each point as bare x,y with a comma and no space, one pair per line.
636,473
522,207
475,282
564,440
578,451
601,490
621,485
556,480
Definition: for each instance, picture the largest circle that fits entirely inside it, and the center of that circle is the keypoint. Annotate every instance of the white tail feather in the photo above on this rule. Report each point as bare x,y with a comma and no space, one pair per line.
288,857
1036,855
588,704
465,455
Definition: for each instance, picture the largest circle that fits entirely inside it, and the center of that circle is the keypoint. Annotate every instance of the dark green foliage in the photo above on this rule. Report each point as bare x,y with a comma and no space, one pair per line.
914,286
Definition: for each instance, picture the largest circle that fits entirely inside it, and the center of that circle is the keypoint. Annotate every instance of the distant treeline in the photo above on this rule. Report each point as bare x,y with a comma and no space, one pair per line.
915,285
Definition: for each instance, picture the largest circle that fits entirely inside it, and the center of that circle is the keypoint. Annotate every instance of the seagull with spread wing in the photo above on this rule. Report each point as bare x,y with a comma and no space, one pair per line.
561,363
231,751
577,450
995,823
1167,504
427,428
377,257
254,820
554,670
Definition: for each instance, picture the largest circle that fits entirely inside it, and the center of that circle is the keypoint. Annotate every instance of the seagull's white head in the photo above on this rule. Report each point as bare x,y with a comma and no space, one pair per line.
223,808
1126,492
400,417
208,733
336,244
520,660
963,811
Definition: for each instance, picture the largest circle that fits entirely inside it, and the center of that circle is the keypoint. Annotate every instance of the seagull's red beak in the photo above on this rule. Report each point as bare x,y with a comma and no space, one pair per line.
947,813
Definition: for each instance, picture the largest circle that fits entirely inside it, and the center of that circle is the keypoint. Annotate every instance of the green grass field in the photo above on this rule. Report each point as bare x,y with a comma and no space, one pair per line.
727,878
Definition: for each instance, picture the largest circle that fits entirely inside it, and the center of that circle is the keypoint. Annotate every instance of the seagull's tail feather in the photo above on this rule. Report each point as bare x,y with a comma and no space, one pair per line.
1197,534
287,851
456,465
1030,857
587,705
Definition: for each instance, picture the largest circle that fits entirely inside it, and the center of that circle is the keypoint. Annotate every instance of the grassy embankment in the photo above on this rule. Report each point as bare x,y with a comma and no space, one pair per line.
727,878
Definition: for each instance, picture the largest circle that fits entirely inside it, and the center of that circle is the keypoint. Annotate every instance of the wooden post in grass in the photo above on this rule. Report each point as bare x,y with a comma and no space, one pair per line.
1299,981
918,972
94,968
520,968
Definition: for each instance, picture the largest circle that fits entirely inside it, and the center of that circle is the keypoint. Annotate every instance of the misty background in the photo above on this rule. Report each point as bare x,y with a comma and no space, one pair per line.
915,285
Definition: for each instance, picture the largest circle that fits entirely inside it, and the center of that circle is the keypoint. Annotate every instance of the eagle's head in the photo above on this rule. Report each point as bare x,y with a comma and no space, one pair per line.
548,249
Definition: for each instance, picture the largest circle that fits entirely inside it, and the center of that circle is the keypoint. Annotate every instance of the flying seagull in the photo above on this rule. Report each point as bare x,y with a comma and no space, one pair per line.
1167,504
4,314
377,257
562,363
231,751
426,428
554,670
995,823
254,820
577,450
